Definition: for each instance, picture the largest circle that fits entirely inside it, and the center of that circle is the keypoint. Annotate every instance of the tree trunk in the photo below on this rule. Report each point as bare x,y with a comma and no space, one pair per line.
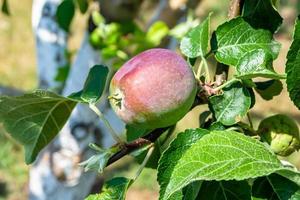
10,91
51,42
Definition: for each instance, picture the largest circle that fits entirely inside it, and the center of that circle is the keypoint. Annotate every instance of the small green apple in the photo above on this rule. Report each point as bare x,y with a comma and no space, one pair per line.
154,89
281,132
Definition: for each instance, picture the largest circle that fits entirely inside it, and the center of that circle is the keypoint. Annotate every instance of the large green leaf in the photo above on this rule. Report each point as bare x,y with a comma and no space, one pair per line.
256,63
195,43
233,104
35,119
225,190
268,89
293,67
274,187
236,37
261,14
173,154
65,13
220,155
94,85
114,189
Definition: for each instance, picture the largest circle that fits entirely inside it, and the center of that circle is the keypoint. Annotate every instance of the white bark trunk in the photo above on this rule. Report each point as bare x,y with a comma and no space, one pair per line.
56,174
51,42
4,90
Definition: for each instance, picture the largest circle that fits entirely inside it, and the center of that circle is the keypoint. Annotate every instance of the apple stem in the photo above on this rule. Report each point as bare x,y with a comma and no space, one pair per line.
146,159
107,124
225,84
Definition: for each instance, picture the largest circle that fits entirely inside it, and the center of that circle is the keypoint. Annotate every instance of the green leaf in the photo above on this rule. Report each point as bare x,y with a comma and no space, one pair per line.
83,5
252,96
173,154
195,43
157,32
248,83
203,118
114,189
220,155
217,126
261,14
65,13
191,191
257,63
35,119
269,89
292,67
99,161
5,7
291,174
233,104
225,190
236,37
296,196
274,187
94,85
275,3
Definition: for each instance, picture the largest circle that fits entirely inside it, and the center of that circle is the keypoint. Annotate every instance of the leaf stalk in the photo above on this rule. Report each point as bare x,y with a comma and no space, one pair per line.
107,124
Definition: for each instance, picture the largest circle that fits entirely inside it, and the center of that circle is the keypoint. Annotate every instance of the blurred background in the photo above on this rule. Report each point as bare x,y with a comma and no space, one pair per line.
18,70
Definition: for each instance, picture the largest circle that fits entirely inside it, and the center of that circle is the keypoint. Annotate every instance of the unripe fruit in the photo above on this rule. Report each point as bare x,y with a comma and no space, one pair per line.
154,89
281,132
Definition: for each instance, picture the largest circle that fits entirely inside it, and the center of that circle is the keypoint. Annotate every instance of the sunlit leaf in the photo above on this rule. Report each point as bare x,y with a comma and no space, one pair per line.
219,155
230,106
236,37
195,42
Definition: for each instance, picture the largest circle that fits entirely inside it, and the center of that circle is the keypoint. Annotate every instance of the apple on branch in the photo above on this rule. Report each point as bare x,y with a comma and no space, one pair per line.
154,89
